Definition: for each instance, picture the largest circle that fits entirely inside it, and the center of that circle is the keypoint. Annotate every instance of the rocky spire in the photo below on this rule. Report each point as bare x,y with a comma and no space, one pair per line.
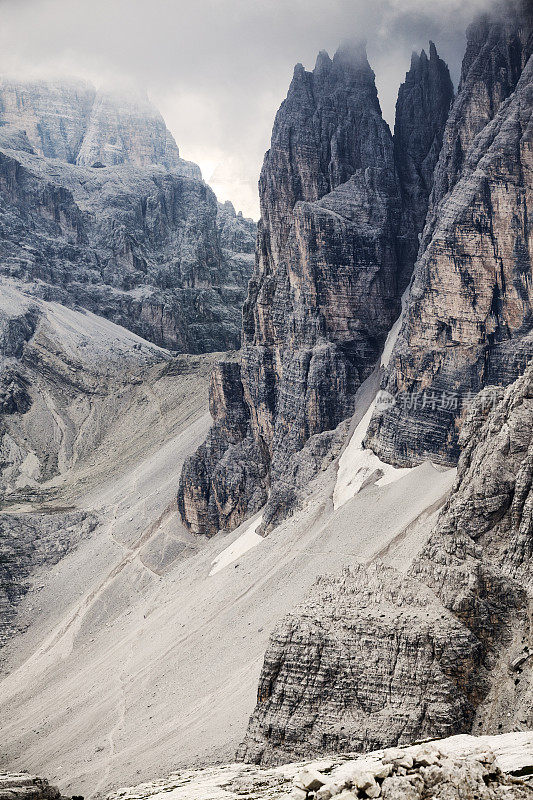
469,317
323,295
422,109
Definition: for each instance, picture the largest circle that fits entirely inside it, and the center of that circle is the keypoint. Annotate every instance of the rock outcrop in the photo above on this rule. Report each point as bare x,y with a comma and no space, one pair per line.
468,320
412,772
361,665
377,658
140,242
459,767
332,256
23,786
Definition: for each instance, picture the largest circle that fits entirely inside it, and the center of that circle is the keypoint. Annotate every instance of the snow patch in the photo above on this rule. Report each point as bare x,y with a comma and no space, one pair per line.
241,545
357,465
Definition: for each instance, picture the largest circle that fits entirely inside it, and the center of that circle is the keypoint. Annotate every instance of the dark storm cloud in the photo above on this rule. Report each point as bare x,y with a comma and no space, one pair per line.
218,69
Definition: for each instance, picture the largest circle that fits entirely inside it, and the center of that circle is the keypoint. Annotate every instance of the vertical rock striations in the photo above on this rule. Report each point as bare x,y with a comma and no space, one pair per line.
331,262
73,122
376,658
54,116
422,109
468,322
124,127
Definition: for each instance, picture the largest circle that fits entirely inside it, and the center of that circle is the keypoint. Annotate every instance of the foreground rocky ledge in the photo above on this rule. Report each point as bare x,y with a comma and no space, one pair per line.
464,766
21,786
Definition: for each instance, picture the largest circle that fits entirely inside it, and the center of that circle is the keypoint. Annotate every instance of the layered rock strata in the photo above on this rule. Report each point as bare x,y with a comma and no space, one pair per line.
130,231
468,319
422,108
72,121
124,127
54,116
23,786
378,658
487,767
331,260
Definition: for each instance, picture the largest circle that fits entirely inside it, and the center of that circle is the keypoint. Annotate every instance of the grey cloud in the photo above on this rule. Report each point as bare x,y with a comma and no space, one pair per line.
218,69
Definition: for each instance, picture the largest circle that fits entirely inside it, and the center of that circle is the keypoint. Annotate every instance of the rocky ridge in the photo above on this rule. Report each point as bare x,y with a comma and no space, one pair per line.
459,767
376,657
468,317
332,257
101,212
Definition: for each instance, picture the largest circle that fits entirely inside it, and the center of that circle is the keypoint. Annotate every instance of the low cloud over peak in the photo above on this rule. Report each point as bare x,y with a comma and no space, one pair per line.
218,69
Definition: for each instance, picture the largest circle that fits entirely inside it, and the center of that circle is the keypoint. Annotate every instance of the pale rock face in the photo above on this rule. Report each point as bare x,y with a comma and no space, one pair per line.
54,116
375,658
468,320
325,290
22,786
126,128
353,670
462,767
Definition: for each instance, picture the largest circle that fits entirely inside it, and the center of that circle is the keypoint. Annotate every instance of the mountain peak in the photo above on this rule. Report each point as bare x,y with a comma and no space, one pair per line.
323,62
352,53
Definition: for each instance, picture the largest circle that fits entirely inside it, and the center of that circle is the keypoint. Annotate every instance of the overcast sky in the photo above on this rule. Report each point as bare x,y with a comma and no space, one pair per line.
218,69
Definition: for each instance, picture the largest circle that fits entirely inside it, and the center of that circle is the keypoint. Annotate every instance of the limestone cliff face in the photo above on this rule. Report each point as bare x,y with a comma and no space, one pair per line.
468,322
499,44
326,288
54,116
376,658
124,127
141,242
422,109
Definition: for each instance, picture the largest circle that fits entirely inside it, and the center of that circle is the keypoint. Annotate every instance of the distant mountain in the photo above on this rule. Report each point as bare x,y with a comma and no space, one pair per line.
97,209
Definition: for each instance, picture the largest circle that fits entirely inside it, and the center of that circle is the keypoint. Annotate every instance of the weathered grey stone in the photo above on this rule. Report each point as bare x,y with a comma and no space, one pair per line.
375,658
328,276
468,318
124,127
140,240
422,109
22,786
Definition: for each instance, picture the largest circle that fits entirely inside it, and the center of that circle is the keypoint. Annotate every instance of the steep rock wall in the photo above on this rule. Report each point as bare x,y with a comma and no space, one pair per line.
326,289
468,321
376,658
142,243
